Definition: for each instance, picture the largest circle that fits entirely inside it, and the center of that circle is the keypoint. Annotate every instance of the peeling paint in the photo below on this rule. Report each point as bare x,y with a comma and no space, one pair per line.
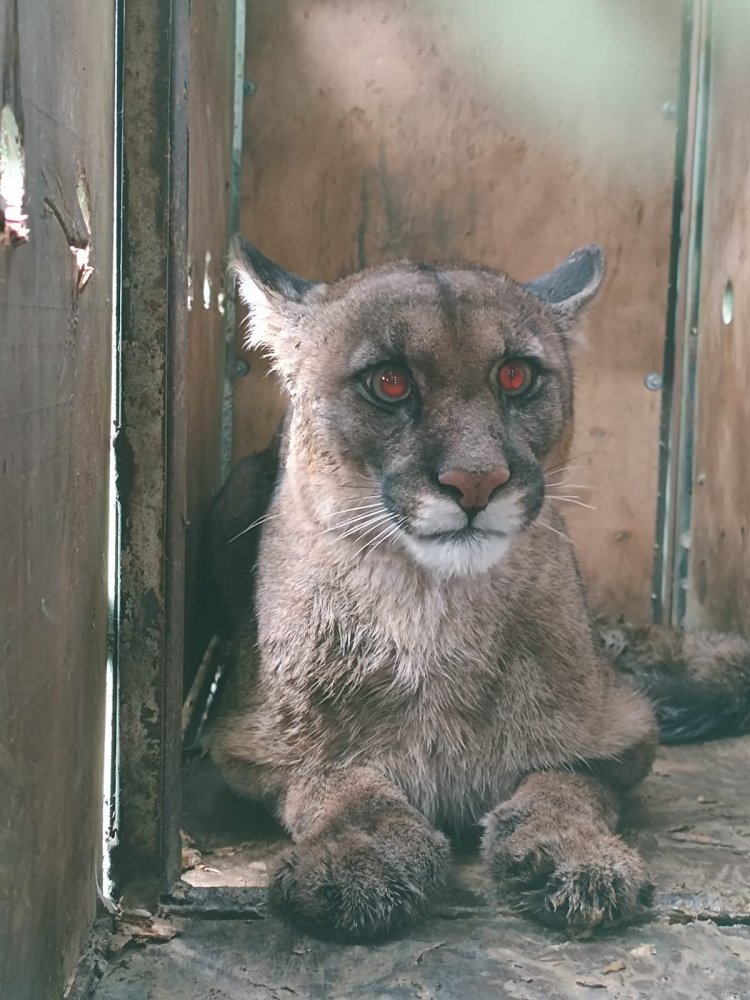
46,612
190,286
80,245
84,199
82,256
207,291
13,228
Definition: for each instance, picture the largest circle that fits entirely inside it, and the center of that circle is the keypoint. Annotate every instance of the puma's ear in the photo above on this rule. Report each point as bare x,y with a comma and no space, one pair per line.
275,298
573,284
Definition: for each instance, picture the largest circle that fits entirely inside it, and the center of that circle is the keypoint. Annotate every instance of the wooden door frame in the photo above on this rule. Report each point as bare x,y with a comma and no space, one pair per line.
672,539
151,441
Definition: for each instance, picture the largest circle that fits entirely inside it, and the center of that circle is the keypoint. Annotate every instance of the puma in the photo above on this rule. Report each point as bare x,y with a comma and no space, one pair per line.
418,656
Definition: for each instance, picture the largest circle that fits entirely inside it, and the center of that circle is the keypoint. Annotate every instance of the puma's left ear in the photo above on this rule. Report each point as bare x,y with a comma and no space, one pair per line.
573,284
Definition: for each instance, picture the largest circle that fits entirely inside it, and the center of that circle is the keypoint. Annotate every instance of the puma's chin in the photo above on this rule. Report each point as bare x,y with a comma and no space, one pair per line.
465,553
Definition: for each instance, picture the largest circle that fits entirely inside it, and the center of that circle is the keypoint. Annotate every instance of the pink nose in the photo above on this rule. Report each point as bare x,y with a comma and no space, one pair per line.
475,488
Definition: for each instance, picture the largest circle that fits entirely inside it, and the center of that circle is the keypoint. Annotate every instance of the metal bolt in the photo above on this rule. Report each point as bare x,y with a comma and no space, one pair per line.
241,367
653,381
248,88
669,110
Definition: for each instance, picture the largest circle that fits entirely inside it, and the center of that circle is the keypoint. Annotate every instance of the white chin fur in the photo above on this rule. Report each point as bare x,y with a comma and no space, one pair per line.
457,557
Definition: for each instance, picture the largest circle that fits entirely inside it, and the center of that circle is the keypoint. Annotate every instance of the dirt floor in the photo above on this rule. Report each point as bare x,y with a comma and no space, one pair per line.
691,819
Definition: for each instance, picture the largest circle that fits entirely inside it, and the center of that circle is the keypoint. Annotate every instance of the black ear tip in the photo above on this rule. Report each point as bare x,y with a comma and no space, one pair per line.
240,253
591,256
247,261
245,257
243,250
574,282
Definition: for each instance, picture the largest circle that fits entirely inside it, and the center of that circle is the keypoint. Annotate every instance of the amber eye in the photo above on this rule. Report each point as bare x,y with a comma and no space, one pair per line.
515,377
390,382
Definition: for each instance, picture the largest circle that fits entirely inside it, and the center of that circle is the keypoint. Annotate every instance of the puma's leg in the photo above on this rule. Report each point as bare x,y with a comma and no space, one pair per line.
553,849
363,860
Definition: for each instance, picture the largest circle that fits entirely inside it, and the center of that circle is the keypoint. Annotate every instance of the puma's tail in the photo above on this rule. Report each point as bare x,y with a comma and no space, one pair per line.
699,682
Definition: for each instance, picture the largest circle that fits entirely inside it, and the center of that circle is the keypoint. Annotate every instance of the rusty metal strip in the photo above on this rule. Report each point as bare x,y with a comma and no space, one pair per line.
150,445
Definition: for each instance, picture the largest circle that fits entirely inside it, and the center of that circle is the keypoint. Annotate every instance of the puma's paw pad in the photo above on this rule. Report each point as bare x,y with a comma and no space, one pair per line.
355,886
573,881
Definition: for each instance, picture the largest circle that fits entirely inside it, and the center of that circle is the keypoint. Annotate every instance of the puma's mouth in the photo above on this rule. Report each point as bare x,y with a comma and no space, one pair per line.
469,531
465,552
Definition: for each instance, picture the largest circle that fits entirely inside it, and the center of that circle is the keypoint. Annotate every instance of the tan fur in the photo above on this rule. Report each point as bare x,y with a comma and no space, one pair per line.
380,693
698,681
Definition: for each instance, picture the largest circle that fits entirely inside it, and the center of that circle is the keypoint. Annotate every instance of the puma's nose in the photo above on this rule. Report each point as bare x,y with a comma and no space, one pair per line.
474,489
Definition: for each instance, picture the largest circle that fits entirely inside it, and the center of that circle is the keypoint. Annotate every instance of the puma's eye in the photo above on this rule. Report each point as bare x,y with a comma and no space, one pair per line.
515,377
390,382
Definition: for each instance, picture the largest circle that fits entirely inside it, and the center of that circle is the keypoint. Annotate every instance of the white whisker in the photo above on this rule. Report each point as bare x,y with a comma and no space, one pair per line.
384,538
363,506
558,470
572,486
360,520
255,524
573,500
570,460
367,479
391,529
373,522
553,530
342,513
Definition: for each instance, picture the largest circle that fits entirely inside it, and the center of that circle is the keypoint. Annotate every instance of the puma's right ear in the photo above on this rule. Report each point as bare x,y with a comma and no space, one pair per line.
275,297
573,284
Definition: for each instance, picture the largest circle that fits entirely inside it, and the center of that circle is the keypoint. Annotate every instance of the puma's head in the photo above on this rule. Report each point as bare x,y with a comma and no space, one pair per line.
427,397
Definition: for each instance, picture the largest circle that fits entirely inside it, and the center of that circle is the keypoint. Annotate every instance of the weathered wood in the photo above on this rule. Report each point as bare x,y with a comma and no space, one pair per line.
508,133
690,820
719,559
483,957
57,81
682,298
210,118
151,444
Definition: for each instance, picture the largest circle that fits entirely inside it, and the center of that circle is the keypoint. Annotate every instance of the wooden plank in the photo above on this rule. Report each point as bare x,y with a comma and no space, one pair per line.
210,118
58,60
507,133
152,441
719,560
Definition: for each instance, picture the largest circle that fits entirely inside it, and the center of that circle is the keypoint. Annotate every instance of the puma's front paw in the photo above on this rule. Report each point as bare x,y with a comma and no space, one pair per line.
355,885
575,878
